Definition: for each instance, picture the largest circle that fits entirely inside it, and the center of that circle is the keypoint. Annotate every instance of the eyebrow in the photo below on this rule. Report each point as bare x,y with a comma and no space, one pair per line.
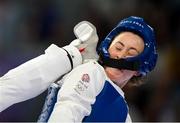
130,48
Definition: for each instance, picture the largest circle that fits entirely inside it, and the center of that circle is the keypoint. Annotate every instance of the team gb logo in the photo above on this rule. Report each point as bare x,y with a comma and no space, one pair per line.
85,78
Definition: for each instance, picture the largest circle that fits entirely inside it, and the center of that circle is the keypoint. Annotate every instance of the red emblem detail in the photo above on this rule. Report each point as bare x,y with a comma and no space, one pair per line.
85,78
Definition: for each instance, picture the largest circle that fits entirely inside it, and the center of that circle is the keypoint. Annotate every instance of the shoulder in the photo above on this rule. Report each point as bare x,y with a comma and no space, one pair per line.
89,77
91,64
90,67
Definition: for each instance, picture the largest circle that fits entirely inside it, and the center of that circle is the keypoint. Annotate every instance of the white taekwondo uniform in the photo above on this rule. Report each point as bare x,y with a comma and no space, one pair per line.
88,95
33,77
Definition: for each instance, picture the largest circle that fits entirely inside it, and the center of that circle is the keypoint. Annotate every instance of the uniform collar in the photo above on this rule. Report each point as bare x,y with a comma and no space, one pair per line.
120,91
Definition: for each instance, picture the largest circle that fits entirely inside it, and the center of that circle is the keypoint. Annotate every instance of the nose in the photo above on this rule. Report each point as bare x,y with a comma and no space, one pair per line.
121,54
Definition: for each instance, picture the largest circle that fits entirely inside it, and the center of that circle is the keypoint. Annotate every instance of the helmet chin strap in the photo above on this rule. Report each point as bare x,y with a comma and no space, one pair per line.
119,63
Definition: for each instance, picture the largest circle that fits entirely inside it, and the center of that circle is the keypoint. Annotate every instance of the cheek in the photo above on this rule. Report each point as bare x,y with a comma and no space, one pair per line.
112,52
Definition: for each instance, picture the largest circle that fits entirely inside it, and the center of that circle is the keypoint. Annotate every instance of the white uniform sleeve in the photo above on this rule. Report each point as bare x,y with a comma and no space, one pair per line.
78,93
33,77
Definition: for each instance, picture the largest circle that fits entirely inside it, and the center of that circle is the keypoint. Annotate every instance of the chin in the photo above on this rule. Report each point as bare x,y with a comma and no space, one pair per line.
114,74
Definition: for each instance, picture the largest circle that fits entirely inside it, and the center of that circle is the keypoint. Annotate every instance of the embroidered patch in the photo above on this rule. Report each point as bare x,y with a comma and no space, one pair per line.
85,78
82,84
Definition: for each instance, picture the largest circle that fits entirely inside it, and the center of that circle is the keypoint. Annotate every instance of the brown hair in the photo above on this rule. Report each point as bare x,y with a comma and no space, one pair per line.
136,81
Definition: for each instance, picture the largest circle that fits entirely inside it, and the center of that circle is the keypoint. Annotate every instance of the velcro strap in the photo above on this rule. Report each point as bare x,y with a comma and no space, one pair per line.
70,59
119,63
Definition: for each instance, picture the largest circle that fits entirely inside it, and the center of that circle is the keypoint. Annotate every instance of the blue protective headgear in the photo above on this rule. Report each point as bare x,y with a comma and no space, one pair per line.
145,61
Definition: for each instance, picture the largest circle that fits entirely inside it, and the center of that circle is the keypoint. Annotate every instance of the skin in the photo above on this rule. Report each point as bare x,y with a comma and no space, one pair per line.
126,44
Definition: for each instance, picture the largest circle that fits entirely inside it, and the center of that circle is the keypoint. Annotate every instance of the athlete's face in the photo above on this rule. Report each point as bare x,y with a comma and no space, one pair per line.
126,44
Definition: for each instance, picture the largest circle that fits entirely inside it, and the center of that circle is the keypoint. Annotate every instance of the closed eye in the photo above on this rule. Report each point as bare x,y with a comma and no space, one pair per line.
119,46
132,52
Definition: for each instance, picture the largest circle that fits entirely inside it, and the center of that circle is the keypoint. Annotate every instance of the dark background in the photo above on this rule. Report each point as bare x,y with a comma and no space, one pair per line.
28,27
